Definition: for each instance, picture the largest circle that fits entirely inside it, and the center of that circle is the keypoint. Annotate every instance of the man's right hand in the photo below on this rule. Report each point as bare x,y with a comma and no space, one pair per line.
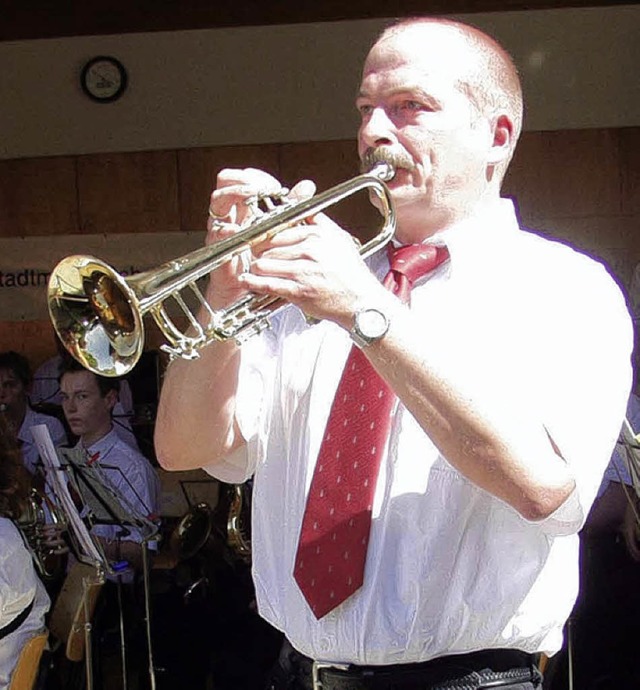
229,213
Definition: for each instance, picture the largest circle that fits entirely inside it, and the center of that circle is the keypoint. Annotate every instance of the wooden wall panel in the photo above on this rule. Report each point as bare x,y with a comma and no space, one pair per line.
630,169
566,174
199,169
136,192
327,163
38,197
33,339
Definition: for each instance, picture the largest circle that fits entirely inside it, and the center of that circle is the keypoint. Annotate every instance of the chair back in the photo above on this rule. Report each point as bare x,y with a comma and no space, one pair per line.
74,607
26,671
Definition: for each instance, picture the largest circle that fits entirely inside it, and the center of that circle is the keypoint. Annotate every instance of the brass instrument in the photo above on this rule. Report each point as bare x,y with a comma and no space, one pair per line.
39,514
238,536
97,313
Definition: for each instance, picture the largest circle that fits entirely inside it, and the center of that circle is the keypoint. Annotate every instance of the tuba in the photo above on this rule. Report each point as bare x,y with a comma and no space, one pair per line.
98,314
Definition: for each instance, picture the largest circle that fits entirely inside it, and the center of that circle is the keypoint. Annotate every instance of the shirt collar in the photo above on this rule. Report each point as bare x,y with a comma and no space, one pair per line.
469,238
487,226
103,445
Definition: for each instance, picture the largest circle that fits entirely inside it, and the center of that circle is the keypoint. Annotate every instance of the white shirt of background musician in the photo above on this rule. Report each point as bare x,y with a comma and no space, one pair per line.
19,585
133,478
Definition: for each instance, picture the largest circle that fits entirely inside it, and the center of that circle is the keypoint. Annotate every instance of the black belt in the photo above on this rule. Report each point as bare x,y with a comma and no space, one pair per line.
17,621
474,671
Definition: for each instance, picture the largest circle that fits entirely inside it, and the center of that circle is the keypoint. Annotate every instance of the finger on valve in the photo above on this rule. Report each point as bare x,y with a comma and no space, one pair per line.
302,190
235,187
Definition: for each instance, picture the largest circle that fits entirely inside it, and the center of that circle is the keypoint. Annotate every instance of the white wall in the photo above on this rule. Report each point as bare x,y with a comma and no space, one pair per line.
292,82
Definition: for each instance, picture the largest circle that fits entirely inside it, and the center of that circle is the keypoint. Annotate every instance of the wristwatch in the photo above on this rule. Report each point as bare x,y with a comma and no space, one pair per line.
369,325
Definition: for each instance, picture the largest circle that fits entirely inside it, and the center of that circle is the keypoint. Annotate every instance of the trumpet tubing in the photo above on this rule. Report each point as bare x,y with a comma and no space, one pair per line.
98,314
39,512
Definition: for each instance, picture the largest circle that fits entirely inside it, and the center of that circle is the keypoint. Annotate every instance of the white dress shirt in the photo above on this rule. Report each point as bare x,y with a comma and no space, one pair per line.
19,585
135,486
133,479
530,330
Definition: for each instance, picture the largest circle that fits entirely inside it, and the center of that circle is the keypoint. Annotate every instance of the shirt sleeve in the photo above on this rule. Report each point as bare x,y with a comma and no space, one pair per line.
255,385
17,577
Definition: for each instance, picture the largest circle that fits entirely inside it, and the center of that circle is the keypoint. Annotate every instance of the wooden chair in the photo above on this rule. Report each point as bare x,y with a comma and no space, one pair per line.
26,670
78,597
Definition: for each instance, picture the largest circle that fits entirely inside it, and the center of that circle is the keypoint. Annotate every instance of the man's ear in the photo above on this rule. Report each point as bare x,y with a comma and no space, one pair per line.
112,398
502,145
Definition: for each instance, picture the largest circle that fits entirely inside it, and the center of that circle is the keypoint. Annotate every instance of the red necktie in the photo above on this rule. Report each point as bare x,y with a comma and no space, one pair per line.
332,549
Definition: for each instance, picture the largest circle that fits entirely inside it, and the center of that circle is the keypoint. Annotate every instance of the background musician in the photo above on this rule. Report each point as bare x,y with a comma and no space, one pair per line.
23,598
87,402
15,380
471,442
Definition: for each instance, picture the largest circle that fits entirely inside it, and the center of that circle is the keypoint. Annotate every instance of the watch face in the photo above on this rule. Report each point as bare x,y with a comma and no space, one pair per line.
104,79
372,323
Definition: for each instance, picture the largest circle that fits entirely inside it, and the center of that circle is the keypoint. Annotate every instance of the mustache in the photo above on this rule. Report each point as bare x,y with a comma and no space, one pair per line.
386,154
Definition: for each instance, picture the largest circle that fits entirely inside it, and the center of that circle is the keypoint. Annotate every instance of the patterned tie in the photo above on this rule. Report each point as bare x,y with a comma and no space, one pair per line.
332,549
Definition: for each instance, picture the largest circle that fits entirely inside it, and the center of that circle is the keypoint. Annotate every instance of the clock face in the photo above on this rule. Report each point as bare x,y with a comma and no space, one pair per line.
104,79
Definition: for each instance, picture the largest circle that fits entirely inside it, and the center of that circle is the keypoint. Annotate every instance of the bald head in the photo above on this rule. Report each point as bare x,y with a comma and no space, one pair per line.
484,70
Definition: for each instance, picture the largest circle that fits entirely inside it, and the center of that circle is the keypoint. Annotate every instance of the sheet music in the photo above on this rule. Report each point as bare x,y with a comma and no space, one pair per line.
56,478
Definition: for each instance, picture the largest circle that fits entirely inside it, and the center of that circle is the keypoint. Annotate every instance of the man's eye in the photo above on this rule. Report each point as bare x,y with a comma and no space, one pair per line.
410,106
365,110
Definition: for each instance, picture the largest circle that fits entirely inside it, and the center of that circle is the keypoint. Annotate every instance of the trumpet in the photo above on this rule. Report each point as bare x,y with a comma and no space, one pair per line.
98,314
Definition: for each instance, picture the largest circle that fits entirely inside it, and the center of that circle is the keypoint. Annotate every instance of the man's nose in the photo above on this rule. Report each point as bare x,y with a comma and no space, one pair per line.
378,129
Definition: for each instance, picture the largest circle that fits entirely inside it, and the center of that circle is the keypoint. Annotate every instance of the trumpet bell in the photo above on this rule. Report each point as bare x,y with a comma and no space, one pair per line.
95,314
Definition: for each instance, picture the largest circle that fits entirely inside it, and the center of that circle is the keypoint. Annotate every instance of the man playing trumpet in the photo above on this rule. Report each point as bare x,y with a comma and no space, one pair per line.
425,455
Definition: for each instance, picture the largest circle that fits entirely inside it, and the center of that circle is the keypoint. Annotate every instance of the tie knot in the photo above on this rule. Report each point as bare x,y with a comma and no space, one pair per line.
410,262
416,260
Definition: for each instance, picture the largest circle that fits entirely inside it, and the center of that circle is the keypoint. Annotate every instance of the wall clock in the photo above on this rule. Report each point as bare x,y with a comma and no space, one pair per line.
104,79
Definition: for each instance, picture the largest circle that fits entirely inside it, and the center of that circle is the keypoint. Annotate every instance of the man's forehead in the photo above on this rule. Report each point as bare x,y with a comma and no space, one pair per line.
78,380
439,60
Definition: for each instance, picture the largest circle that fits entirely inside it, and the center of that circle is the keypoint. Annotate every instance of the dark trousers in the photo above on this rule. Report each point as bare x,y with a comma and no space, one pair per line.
504,669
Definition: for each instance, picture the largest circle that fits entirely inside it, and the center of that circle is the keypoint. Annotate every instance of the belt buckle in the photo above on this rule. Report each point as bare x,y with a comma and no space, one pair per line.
318,666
